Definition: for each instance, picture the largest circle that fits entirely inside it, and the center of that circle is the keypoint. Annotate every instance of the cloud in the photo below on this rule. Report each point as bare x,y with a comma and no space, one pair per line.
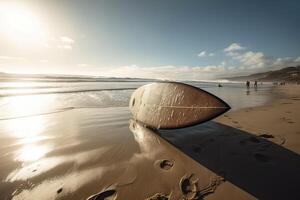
237,62
65,46
66,40
10,58
168,72
202,54
62,42
234,47
254,62
252,59
205,54
84,65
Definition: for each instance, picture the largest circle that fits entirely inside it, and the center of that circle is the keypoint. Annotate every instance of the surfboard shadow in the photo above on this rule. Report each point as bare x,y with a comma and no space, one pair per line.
262,168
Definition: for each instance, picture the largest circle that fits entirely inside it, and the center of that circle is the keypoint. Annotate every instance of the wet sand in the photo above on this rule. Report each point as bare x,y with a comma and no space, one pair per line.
99,153
74,159
274,124
255,150
278,121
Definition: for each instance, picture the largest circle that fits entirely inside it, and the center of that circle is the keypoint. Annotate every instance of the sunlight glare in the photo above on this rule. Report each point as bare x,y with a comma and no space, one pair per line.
19,23
23,106
29,105
26,127
32,152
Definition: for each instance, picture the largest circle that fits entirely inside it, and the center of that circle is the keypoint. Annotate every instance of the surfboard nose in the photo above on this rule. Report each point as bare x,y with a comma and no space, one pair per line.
170,105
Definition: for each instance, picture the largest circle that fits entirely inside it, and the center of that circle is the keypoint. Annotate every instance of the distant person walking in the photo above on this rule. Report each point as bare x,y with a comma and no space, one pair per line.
248,84
255,84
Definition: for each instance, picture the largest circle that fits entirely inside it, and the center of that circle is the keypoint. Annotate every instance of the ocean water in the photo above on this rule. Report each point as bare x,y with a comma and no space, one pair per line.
39,96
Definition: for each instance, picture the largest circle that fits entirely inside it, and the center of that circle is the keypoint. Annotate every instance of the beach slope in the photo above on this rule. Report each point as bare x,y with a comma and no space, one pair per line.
255,149
278,121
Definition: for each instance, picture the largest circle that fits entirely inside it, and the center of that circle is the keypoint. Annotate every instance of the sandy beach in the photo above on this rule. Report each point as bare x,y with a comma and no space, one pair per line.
256,149
278,121
100,153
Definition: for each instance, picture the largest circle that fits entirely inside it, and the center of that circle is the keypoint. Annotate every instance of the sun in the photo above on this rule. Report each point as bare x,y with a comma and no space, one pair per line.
19,23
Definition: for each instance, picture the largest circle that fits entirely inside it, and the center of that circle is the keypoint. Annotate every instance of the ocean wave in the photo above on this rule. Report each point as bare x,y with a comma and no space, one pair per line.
59,110
70,79
28,87
62,91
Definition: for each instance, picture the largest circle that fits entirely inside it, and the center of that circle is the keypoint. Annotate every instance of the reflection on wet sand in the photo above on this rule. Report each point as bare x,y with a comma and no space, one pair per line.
32,152
69,159
20,106
72,159
176,176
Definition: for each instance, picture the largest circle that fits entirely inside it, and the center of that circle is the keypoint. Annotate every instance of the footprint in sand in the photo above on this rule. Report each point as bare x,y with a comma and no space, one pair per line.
164,164
287,120
211,188
159,196
277,139
189,187
59,190
106,195
286,103
295,98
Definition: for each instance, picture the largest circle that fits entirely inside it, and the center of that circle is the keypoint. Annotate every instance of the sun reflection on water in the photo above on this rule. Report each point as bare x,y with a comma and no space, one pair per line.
32,152
31,104
26,127
28,131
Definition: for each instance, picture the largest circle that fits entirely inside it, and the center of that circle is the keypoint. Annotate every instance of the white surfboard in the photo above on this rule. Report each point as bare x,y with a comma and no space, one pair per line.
169,105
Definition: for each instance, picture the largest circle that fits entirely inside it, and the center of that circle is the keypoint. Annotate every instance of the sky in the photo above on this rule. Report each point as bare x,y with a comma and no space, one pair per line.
165,39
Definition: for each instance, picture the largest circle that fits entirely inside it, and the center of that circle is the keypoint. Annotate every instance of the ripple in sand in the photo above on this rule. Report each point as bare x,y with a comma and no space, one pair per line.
159,196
